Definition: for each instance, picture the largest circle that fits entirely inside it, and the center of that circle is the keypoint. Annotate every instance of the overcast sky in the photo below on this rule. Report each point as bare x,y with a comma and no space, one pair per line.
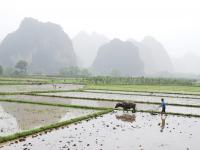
175,23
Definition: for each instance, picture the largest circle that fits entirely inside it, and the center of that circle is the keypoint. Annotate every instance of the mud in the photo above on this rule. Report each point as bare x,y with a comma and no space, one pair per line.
118,130
15,117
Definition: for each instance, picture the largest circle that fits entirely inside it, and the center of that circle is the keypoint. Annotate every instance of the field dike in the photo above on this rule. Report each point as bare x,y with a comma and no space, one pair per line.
35,92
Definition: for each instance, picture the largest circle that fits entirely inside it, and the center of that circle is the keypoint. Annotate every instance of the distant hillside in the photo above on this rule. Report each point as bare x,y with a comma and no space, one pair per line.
187,64
154,56
45,46
86,46
120,56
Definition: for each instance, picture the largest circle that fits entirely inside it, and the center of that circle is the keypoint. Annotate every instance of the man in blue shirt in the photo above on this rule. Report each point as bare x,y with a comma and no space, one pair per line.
163,105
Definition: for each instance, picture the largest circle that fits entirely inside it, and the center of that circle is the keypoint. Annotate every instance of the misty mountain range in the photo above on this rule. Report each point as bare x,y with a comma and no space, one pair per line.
45,46
154,56
86,47
118,56
47,49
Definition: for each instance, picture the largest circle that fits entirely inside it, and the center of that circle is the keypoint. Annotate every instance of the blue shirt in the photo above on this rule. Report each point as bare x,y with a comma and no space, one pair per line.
163,104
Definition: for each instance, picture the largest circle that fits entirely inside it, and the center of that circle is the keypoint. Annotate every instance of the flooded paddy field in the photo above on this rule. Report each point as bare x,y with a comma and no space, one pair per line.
38,87
117,96
17,117
159,94
118,130
100,103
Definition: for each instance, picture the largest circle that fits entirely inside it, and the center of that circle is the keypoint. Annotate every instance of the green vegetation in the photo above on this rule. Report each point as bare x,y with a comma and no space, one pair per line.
1,70
48,127
148,88
74,72
106,80
23,79
7,71
74,77
141,84
21,67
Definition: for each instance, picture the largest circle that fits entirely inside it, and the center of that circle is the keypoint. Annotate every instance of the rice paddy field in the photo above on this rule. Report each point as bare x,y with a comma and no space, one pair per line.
54,113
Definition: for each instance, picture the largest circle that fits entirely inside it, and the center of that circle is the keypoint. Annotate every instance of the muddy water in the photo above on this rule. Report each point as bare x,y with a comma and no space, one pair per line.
118,131
83,102
16,117
185,101
57,100
43,87
148,94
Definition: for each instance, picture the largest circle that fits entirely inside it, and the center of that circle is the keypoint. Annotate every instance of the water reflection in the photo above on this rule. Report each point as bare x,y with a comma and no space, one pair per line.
126,117
18,117
162,124
15,117
8,123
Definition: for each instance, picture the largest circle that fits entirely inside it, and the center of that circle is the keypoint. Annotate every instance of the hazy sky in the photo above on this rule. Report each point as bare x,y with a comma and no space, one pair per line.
176,23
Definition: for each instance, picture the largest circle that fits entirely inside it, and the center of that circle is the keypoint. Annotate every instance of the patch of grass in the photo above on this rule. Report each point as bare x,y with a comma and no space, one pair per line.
48,127
35,92
40,79
195,90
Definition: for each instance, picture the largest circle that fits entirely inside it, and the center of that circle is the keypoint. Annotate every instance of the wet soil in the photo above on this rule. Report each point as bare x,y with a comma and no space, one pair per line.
117,131
15,117
84,102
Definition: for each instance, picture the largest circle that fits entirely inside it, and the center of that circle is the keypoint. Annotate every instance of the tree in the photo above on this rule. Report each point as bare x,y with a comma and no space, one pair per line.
22,66
74,72
1,70
8,71
115,73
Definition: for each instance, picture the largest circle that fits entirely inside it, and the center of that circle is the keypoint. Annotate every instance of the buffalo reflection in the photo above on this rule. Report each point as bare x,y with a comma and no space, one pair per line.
126,117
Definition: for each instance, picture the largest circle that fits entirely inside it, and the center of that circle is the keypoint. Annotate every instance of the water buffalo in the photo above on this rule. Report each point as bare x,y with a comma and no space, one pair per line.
126,106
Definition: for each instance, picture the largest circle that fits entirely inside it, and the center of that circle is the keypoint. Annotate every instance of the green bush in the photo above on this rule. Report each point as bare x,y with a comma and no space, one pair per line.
137,81
74,72
1,70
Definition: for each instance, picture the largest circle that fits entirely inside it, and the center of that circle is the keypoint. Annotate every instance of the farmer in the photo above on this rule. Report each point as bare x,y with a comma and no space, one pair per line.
163,105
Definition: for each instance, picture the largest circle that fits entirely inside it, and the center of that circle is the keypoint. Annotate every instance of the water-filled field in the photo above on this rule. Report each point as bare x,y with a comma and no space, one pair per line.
119,130
159,94
16,117
39,119
101,103
38,87
130,97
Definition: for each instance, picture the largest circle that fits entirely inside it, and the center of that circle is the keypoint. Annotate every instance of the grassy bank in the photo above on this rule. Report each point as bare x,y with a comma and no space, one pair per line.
148,88
35,92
